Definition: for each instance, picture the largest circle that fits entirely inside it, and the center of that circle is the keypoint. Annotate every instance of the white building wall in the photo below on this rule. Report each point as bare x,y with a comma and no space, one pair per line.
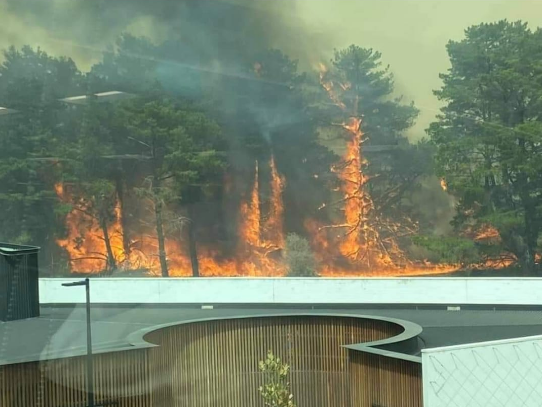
506,373
446,291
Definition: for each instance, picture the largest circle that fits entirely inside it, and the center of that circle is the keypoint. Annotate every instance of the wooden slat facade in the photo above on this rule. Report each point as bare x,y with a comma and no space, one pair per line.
121,376
380,381
215,364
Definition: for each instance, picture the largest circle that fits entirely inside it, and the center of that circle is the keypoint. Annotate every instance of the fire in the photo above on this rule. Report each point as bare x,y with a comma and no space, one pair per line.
443,184
328,85
360,240
255,254
365,240
249,228
85,243
487,232
260,239
362,243
357,203
274,225
265,234
488,235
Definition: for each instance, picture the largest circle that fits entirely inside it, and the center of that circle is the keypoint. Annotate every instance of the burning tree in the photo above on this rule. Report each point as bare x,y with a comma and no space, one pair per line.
132,174
86,186
181,150
93,237
356,85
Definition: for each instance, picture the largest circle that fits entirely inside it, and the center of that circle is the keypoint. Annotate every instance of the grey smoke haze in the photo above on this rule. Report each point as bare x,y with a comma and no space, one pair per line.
85,28
411,34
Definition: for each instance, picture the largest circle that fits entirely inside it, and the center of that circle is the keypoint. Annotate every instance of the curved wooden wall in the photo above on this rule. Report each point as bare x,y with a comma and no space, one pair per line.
215,364
121,376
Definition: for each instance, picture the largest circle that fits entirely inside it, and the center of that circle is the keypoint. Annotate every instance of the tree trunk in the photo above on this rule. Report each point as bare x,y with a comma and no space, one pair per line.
120,194
192,247
111,263
155,188
531,237
161,238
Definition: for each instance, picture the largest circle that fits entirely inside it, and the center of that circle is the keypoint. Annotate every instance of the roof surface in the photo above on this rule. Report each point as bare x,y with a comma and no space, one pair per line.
60,331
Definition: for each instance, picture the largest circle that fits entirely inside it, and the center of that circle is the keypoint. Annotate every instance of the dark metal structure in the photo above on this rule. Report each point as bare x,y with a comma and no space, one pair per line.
90,365
19,291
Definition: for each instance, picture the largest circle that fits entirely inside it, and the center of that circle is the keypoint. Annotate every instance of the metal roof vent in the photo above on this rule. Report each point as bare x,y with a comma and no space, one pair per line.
19,291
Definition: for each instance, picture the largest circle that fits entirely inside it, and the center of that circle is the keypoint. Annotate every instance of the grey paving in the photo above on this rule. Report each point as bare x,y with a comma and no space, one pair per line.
60,331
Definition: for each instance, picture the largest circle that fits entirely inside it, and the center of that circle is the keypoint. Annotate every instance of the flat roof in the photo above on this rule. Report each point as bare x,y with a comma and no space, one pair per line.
110,96
6,111
61,331
8,249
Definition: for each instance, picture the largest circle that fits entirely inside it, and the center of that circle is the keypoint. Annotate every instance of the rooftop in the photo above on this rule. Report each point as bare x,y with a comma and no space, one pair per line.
60,331
111,96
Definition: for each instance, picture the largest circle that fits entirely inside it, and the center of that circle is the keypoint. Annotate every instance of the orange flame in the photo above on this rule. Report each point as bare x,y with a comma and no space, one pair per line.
328,85
443,184
354,247
360,243
487,232
254,256
274,225
85,242
249,228
360,240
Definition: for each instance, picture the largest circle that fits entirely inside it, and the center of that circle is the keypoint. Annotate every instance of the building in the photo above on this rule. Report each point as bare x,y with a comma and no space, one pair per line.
197,342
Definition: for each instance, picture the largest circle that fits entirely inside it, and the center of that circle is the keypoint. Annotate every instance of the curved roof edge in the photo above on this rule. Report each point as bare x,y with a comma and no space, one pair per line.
398,346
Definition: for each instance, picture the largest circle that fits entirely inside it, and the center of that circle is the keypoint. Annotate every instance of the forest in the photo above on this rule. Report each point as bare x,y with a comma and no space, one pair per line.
172,158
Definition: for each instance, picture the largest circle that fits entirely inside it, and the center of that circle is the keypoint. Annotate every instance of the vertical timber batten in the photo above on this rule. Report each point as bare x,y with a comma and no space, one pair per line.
215,364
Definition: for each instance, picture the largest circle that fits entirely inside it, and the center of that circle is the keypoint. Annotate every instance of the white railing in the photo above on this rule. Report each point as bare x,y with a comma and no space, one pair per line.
445,291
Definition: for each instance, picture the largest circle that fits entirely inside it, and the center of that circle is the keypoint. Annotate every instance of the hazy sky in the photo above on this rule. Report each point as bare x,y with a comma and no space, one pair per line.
411,34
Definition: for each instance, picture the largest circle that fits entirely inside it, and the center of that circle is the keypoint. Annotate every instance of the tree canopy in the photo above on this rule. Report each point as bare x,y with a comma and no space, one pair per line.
488,136
139,169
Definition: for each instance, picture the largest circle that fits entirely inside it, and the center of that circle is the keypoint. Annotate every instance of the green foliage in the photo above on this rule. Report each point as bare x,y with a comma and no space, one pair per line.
276,390
97,150
299,257
488,135
182,145
367,94
450,249
31,82
172,143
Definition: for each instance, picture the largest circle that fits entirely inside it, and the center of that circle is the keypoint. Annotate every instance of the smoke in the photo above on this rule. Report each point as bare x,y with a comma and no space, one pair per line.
83,29
411,34
219,37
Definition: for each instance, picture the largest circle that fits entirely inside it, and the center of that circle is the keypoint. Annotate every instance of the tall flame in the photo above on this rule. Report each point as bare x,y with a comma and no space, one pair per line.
361,243
86,247
249,227
328,85
274,225
361,240
356,203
